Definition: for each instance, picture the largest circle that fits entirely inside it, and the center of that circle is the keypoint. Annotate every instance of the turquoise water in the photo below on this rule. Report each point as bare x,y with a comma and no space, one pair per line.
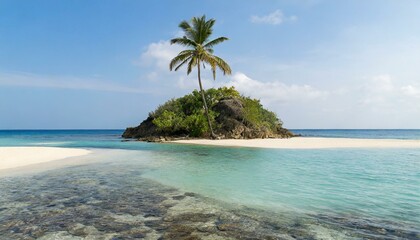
371,184
380,187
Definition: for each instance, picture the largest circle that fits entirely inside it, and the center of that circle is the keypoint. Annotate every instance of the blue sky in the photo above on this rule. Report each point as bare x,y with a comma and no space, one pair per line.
104,64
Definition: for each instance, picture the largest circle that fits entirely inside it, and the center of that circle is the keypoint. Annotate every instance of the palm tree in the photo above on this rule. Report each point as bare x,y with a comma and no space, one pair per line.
200,51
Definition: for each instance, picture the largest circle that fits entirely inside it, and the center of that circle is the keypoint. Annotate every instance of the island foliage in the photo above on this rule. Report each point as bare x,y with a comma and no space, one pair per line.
232,115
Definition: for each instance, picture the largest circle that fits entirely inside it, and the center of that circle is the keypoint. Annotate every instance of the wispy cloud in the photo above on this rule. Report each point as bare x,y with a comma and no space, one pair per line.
21,79
275,18
384,89
275,91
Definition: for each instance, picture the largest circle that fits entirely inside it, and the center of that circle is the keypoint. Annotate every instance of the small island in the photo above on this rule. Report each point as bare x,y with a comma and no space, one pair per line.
232,115
221,113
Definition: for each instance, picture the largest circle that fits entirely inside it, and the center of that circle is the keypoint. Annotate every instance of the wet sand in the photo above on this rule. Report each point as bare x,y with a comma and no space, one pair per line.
307,143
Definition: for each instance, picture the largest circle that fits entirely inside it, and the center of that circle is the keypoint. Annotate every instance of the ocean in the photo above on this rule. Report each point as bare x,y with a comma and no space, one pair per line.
319,194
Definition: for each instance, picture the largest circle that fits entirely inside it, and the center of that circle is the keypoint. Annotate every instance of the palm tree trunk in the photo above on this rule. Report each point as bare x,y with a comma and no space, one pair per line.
204,101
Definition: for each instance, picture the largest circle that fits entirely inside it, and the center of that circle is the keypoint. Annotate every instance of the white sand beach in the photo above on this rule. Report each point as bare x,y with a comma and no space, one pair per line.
307,143
13,157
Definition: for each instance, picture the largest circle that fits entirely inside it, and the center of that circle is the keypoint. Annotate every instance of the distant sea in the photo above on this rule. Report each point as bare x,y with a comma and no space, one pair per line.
367,193
360,133
111,138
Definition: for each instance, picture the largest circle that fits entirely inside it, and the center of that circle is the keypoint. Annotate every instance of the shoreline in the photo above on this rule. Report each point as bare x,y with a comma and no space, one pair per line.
305,143
17,157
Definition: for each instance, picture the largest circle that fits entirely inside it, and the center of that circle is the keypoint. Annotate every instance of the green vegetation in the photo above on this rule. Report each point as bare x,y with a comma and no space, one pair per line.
199,52
185,115
256,116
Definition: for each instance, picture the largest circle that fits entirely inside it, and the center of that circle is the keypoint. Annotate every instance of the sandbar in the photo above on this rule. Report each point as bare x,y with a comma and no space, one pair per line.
13,157
307,143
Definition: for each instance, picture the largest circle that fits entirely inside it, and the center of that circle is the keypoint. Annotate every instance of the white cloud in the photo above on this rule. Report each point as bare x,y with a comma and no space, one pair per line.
382,84
411,91
63,82
274,91
275,18
159,55
154,62
378,89
384,90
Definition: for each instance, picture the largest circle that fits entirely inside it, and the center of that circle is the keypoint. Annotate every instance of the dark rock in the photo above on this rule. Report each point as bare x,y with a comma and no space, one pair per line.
227,226
190,194
15,230
178,197
144,130
153,224
179,231
194,217
230,108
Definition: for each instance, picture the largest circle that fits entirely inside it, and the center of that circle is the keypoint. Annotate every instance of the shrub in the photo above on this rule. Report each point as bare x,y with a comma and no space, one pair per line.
196,124
168,121
172,105
256,116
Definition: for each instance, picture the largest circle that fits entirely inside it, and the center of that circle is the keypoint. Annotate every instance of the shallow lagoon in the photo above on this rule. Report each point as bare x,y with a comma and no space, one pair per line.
177,191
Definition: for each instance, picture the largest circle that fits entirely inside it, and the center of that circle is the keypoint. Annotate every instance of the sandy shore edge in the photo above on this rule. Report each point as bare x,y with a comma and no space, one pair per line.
307,143
14,157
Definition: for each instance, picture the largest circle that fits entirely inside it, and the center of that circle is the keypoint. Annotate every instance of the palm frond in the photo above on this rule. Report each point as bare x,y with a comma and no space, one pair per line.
185,26
209,59
180,58
184,41
214,42
209,50
188,30
208,30
191,64
182,63
222,65
197,26
216,62
202,28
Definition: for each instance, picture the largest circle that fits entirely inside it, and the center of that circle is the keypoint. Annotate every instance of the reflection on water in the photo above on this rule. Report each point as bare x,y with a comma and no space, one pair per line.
114,200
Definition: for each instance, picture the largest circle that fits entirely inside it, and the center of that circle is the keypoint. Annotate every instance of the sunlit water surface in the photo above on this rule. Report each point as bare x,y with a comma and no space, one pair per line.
375,187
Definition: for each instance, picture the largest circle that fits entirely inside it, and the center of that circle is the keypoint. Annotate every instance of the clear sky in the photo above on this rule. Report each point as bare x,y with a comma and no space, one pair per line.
104,64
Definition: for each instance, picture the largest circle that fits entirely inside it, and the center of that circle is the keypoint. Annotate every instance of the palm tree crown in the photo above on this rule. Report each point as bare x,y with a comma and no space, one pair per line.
200,50
200,47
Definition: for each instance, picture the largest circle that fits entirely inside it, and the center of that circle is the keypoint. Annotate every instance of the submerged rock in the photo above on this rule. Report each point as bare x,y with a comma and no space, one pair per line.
127,206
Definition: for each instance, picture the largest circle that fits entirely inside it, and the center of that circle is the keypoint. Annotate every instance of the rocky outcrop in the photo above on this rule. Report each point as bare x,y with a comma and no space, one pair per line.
145,129
230,120
233,124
